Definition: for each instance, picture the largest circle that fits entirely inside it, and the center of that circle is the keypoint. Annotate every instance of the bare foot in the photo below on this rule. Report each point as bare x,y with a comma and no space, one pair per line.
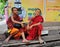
25,41
42,42
6,41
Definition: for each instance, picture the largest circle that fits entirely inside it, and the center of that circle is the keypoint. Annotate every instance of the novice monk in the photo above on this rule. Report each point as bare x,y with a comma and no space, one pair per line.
35,26
14,21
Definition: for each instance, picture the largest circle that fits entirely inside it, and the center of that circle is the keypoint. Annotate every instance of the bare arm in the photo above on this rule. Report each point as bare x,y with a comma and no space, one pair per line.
15,20
36,24
28,25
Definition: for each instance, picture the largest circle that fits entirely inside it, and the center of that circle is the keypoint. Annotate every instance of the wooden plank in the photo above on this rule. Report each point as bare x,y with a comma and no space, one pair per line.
51,28
56,43
51,25
51,37
48,44
0,42
46,38
53,32
46,24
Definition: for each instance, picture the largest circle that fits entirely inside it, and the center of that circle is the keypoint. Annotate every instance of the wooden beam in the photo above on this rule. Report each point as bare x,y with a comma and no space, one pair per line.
51,28
47,24
46,38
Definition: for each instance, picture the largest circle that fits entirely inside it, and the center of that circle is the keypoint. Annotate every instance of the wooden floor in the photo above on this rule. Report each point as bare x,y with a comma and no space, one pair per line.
49,39
53,37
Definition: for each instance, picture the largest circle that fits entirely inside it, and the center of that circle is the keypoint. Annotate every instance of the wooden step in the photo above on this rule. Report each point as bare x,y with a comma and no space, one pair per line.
53,32
51,38
46,24
51,28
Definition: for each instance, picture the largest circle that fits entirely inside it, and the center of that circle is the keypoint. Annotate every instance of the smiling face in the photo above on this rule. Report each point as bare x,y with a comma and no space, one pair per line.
15,11
37,12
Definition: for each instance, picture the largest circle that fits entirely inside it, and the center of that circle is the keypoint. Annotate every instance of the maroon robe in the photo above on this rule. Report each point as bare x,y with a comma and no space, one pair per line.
36,30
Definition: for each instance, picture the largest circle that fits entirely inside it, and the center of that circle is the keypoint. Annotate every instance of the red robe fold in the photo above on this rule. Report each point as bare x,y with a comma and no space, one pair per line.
10,23
36,30
13,30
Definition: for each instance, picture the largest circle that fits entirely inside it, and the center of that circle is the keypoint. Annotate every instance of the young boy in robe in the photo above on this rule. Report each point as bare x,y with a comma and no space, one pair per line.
35,26
12,22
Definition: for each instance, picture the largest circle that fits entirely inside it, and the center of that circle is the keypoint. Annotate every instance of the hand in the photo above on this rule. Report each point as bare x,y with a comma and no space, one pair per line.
22,25
31,26
27,27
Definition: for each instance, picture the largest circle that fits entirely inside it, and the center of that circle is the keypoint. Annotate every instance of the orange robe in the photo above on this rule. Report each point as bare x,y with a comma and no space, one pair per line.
10,24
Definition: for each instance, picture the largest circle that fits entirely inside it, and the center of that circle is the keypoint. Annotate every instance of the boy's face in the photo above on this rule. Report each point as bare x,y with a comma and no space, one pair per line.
37,12
15,11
